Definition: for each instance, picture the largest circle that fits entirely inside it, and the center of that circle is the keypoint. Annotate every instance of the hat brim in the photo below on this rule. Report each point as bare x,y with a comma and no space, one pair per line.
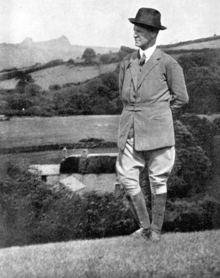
134,21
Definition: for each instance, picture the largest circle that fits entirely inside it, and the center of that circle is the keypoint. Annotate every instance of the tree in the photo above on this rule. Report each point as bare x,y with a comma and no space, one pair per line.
88,55
18,102
203,130
192,169
24,79
110,79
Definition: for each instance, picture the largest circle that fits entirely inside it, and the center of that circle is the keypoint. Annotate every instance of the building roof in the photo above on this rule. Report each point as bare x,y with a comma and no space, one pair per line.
45,169
72,183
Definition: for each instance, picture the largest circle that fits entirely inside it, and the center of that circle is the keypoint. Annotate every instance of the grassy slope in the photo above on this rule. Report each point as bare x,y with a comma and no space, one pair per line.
197,45
62,74
194,255
67,74
34,131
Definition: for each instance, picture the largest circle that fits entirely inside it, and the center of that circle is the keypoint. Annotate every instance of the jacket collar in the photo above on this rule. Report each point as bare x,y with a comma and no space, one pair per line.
133,65
148,52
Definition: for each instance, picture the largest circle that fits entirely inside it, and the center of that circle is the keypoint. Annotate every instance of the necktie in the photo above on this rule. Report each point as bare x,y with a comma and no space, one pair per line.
142,60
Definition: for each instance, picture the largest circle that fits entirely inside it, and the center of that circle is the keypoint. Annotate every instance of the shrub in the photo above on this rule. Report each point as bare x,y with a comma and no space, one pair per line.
101,164
203,131
110,80
70,165
88,54
93,165
23,198
192,168
190,215
217,122
54,87
34,213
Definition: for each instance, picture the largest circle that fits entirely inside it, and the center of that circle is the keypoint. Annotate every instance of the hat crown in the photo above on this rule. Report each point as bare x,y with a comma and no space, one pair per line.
148,16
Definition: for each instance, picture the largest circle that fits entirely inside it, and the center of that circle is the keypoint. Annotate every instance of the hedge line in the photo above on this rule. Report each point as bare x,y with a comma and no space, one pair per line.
32,213
90,165
82,144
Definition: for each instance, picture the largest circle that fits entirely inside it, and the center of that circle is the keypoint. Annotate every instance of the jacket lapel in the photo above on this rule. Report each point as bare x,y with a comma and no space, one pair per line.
149,65
134,68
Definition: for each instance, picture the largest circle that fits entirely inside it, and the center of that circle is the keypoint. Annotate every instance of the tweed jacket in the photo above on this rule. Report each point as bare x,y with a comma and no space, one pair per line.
148,100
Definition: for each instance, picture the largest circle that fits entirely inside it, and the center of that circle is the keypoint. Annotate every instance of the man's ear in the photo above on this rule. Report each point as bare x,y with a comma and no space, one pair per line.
155,34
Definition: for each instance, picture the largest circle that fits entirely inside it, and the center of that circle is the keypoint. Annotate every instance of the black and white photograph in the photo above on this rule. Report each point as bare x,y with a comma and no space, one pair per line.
110,139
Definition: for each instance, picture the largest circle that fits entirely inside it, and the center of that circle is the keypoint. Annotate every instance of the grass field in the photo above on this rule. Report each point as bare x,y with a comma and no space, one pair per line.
62,74
34,131
47,157
23,132
67,74
191,255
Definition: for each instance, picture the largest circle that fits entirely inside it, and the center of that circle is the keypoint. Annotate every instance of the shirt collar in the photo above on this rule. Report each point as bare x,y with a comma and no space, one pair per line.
148,52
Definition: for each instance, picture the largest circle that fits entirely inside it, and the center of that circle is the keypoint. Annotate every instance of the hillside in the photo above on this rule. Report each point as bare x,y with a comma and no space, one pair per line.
193,255
69,74
204,43
62,74
28,52
33,57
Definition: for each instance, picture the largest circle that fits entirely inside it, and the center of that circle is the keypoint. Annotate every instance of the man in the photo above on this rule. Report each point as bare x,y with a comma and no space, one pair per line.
152,89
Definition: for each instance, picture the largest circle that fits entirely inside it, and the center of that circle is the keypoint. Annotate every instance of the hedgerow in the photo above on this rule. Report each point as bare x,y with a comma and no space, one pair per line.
32,212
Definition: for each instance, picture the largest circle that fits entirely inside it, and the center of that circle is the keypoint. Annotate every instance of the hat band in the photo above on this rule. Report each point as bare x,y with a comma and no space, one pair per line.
148,23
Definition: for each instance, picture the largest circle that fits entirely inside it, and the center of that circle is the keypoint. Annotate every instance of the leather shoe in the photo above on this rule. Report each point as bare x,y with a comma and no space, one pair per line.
155,237
145,233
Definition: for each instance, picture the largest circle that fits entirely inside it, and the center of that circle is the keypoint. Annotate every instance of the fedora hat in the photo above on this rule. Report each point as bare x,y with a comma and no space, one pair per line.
148,17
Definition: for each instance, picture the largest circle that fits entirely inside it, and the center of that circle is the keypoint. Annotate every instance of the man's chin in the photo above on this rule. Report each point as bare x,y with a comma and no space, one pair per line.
137,44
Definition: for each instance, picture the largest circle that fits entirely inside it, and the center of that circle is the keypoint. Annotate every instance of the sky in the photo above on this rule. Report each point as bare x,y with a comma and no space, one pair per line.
104,22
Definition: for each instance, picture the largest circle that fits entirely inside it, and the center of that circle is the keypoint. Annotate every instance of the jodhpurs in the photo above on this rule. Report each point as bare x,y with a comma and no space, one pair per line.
159,164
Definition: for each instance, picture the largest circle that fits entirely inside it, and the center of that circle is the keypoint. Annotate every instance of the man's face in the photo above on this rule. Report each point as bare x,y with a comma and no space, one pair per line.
143,37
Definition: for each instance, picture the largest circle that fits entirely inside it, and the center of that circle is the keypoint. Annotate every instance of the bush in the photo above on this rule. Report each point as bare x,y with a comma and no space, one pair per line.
88,55
203,131
54,87
23,198
192,168
101,164
190,216
93,165
70,165
217,122
34,213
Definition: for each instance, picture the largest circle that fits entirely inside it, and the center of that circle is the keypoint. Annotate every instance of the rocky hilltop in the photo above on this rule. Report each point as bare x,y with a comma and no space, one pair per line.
28,52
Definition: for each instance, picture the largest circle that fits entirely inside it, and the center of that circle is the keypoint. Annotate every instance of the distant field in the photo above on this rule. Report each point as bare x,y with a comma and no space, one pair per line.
34,131
23,132
198,45
47,157
62,74
66,74
8,84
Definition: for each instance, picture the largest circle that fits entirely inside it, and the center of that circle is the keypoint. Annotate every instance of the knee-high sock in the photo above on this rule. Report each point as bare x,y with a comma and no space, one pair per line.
158,210
139,210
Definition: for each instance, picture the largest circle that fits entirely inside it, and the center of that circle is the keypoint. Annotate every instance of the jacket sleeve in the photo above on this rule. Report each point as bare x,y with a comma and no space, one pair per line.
177,86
